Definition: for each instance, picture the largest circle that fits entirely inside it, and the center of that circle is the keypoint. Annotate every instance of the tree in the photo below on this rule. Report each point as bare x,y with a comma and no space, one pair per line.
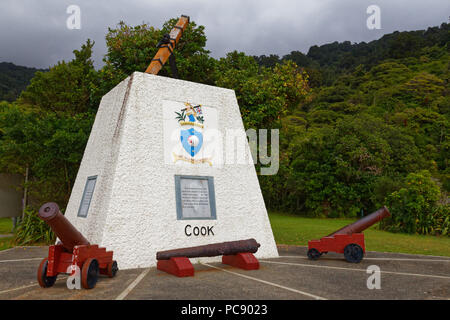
47,129
268,61
50,145
70,87
415,207
14,79
264,94
131,49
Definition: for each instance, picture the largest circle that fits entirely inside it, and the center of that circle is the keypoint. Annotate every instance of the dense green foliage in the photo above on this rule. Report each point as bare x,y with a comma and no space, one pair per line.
33,230
358,123
67,88
131,49
50,145
13,79
325,63
417,207
47,128
264,94
353,146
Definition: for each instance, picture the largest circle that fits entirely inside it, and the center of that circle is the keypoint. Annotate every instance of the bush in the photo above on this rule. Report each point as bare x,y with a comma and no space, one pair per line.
415,207
32,229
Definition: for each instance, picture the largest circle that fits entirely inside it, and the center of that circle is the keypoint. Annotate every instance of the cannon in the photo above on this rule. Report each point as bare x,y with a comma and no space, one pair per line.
235,253
72,253
348,240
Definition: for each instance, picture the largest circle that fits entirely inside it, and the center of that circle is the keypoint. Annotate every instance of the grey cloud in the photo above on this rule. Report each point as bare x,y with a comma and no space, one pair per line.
34,33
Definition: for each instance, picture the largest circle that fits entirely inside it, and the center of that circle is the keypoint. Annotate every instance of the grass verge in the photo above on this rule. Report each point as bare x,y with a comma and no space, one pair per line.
5,228
296,230
6,243
5,225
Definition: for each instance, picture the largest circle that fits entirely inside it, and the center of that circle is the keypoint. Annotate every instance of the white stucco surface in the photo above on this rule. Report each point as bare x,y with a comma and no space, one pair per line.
133,207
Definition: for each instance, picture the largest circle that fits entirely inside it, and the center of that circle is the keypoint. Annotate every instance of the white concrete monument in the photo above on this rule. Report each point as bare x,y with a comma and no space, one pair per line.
160,172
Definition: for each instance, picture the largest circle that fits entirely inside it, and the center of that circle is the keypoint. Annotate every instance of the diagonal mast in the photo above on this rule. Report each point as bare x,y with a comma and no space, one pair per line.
167,45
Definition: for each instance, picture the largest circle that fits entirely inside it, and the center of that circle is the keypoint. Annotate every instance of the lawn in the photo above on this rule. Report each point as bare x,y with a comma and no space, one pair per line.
6,243
5,225
5,228
295,230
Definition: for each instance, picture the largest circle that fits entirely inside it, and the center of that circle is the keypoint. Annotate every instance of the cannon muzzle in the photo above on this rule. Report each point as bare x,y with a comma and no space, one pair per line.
363,223
211,250
65,231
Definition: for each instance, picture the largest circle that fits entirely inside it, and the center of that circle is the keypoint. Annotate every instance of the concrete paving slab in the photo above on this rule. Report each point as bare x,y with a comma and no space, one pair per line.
208,283
24,253
345,283
105,289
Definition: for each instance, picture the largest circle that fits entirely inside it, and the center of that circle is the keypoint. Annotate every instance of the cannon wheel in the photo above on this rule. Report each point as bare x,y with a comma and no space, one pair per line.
43,279
353,253
313,254
89,273
112,269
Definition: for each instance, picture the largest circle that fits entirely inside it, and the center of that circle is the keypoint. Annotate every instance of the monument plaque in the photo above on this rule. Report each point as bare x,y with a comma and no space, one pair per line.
195,197
87,196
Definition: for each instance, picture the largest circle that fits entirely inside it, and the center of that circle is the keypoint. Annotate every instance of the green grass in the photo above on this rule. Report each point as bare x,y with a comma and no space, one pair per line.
5,225
295,230
6,243
5,228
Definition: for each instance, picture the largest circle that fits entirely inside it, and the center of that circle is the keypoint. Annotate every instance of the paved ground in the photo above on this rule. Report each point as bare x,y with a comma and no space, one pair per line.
292,276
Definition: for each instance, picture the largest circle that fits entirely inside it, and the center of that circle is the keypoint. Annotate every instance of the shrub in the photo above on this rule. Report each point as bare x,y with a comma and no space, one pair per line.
415,207
32,229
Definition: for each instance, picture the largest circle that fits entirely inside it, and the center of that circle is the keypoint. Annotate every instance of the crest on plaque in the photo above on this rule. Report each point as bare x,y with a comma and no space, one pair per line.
191,121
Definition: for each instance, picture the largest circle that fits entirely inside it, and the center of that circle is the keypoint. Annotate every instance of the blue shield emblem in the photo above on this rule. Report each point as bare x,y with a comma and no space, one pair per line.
191,140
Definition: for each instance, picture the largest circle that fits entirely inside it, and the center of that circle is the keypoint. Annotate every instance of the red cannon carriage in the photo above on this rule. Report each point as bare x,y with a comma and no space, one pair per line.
238,254
349,240
73,252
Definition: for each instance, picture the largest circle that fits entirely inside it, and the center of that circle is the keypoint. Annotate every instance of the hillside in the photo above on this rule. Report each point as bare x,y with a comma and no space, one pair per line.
326,62
14,79
375,131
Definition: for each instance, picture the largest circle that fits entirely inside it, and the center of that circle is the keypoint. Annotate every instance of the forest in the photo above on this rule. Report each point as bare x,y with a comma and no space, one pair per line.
14,79
361,125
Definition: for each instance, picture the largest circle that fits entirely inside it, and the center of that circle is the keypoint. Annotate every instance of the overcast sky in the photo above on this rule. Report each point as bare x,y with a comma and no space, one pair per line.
34,33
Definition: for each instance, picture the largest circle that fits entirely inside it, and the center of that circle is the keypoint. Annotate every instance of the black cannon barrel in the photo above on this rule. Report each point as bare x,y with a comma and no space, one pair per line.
211,250
66,232
364,223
